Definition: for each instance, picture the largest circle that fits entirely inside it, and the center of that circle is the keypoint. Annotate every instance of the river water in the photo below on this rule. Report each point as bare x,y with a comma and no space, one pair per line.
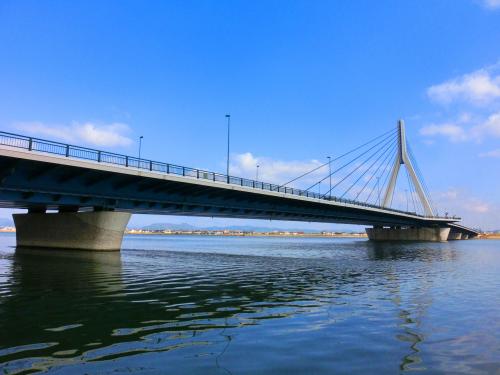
222,305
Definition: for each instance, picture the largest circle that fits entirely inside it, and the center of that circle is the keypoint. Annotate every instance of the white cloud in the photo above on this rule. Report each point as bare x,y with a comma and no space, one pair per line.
491,4
275,171
451,131
464,203
475,212
478,87
491,127
490,154
464,118
481,87
477,206
449,194
101,135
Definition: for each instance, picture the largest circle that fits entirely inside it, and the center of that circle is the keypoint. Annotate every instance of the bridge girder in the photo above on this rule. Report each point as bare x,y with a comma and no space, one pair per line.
86,187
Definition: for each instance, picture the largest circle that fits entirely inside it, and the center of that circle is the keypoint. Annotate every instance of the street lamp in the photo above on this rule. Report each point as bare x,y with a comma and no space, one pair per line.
140,145
257,173
330,172
228,140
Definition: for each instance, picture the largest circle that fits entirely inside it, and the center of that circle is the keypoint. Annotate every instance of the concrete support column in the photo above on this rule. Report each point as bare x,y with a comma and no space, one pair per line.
454,236
408,234
71,230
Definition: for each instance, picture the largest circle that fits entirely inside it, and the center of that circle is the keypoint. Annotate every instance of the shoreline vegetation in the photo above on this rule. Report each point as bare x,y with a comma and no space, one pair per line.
238,233
228,233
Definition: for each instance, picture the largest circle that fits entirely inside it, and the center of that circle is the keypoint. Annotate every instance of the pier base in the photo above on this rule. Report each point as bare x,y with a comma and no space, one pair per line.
102,230
408,234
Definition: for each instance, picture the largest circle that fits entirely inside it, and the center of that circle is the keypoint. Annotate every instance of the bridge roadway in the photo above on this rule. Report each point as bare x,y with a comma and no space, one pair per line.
42,175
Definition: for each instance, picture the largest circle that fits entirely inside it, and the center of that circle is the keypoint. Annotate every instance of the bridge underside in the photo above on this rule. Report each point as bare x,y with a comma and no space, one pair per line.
70,187
44,186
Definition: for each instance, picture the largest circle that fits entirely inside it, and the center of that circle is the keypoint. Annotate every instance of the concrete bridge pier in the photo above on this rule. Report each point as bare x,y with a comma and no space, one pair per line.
435,234
455,236
97,230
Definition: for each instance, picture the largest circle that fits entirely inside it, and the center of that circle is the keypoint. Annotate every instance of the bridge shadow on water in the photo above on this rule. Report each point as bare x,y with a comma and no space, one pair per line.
419,251
98,310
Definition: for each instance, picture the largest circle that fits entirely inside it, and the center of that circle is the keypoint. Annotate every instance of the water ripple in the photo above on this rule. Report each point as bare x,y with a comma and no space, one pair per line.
210,305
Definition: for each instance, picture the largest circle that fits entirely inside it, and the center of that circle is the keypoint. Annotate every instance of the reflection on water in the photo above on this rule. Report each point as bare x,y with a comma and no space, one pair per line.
236,305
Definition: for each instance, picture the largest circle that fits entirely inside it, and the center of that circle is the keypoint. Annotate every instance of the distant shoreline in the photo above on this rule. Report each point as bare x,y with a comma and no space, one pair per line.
310,235
307,235
490,236
253,234
134,232
284,234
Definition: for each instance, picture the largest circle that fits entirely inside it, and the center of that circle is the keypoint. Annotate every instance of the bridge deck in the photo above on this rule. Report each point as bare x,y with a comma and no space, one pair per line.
57,176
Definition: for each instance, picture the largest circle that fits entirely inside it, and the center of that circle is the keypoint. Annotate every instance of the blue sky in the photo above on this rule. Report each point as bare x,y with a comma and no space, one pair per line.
301,79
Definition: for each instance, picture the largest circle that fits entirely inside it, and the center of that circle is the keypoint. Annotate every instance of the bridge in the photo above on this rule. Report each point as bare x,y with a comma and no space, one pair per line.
81,198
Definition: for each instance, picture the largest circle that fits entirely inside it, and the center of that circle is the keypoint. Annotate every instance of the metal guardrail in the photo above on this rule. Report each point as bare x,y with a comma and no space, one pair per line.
77,152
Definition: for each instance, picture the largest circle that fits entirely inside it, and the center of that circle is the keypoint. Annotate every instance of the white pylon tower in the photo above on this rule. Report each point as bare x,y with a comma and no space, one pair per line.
402,158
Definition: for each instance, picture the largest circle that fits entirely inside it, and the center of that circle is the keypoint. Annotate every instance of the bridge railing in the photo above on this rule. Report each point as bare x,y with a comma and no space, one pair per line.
78,152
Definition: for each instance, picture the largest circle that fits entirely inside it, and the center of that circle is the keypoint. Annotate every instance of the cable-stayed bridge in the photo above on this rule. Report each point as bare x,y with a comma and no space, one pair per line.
93,193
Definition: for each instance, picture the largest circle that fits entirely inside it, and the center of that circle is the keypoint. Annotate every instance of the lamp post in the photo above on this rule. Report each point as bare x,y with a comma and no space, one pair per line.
228,140
140,146
257,173
330,174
